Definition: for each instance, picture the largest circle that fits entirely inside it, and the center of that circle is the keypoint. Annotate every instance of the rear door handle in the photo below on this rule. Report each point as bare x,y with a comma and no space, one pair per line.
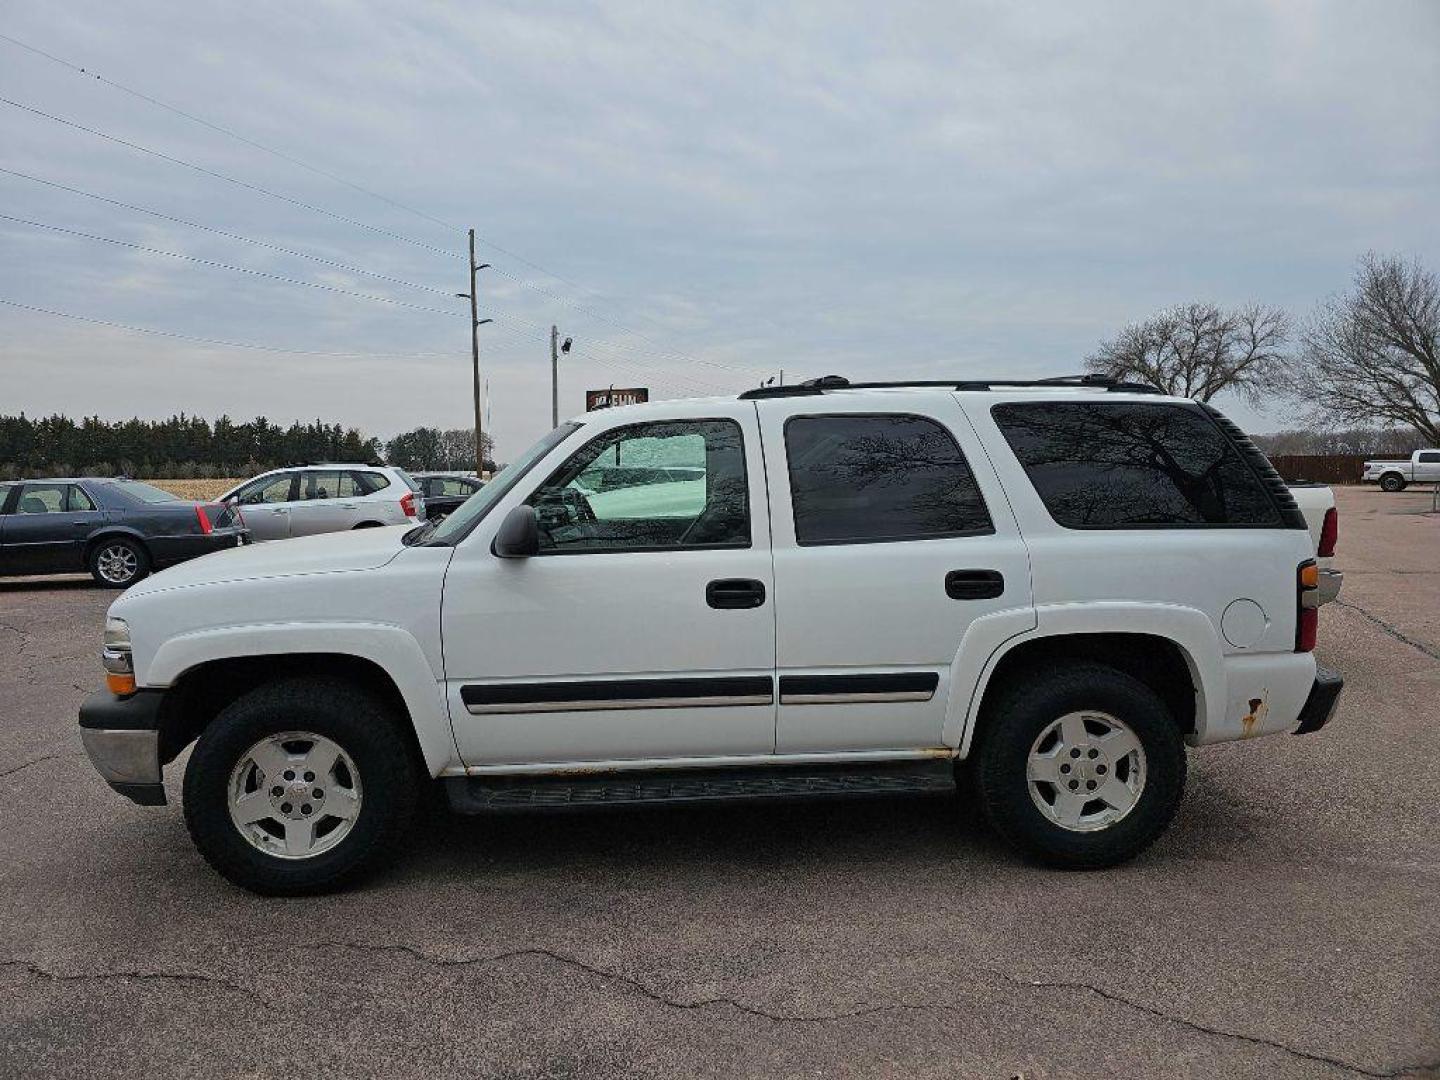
735,593
974,584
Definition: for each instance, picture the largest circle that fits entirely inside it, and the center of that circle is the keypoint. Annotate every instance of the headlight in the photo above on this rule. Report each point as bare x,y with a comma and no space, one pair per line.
117,656
117,634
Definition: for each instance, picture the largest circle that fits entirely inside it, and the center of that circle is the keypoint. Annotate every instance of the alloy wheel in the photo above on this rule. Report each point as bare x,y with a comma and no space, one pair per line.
117,563
1086,771
294,795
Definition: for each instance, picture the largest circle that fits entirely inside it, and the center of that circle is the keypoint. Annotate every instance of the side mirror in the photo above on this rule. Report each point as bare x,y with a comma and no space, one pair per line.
519,535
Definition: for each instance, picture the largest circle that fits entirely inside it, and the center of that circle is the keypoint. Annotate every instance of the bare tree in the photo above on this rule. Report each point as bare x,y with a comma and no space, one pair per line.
1372,355
1197,350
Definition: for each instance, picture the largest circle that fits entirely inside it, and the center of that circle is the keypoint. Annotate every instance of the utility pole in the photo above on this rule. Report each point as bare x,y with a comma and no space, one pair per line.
475,323
554,376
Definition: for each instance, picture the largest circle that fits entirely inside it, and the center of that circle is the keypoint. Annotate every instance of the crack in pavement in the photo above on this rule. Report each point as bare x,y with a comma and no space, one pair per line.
1221,1032
863,1010
650,994
101,976
34,761
1390,629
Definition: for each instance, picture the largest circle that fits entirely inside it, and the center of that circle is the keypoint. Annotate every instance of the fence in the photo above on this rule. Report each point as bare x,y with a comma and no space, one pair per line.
1324,468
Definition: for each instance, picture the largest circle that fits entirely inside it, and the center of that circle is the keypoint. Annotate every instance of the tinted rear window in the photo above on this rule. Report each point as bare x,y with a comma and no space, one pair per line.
1118,465
859,478
132,491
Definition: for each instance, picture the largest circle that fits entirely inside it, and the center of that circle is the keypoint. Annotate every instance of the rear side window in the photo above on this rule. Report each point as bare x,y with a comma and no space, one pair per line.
1430,457
364,483
867,479
1122,465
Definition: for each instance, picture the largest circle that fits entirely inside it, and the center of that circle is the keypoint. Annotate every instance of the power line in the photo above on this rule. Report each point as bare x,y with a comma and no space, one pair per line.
230,179
201,340
322,260
292,159
227,266
226,131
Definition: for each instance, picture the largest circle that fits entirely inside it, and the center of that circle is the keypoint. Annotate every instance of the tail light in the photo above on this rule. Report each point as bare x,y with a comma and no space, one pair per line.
407,504
1307,605
1329,532
203,518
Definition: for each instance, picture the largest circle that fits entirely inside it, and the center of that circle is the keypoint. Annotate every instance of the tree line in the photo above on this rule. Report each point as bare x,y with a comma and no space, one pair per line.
181,447
428,448
187,447
1363,369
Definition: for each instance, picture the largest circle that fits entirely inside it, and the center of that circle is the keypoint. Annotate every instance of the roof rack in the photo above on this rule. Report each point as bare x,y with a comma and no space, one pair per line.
347,464
839,382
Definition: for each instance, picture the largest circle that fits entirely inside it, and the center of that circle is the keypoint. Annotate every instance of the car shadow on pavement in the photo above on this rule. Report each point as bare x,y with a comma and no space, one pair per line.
48,584
739,837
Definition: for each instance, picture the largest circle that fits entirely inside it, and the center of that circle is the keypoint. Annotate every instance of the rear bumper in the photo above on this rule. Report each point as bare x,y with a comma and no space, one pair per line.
122,738
168,550
1330,584
1320,705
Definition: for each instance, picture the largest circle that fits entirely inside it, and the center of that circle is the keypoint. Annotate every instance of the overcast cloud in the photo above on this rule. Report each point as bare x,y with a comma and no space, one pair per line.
875,190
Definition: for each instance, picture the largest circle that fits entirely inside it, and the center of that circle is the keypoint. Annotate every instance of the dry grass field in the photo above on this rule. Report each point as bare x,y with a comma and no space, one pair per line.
196,489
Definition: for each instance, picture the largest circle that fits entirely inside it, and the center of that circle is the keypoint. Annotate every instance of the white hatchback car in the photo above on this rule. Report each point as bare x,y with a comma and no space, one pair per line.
301,500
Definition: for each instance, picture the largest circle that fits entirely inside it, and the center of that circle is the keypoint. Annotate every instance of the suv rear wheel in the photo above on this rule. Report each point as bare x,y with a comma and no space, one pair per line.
1082,767
299,786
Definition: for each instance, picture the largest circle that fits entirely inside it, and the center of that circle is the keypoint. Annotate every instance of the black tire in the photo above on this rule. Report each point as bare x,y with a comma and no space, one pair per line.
1392,482
361,726
1019,716
112,552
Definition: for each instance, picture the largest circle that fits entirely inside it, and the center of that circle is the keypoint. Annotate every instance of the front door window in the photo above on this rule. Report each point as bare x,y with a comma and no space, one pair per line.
662,486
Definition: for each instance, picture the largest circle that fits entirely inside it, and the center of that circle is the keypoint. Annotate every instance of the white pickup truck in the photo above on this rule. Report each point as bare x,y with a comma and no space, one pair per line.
820,590
1422,468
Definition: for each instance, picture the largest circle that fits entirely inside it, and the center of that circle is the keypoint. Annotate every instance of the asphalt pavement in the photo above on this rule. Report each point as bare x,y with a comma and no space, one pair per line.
1287,926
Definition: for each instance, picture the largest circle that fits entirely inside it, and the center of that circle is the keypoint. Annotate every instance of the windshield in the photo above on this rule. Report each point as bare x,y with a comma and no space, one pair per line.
455,527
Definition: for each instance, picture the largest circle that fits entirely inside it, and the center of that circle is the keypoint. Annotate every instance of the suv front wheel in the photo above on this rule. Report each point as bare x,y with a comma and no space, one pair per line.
299,786
1082,767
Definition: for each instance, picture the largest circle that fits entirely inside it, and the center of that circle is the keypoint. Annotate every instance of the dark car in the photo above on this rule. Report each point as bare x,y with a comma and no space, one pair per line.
119,530
445,492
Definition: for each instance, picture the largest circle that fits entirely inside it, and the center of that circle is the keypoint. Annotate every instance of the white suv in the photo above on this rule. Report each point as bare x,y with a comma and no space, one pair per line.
821,590
326,497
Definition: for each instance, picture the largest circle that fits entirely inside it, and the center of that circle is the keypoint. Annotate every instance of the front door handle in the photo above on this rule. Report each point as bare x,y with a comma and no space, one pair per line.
974,584
735,593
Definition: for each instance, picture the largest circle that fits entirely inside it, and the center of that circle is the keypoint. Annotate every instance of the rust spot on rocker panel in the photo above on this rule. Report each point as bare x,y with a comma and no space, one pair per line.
1256,716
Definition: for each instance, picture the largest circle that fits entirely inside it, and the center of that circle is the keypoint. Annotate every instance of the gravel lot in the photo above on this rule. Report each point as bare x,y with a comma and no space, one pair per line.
1289,924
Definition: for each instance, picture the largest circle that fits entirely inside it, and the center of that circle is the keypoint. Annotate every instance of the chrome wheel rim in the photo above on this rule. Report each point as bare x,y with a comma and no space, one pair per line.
1086,771
294,795
117,563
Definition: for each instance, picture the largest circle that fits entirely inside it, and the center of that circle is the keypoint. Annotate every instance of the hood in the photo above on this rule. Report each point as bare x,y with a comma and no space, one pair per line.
327,553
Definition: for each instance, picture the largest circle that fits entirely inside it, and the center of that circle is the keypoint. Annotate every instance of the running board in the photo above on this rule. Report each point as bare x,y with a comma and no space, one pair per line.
490,794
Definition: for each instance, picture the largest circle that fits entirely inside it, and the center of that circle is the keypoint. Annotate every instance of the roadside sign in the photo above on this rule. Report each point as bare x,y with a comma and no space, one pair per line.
604,399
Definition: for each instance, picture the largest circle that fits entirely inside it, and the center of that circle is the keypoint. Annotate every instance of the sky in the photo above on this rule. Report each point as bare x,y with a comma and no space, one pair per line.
700,195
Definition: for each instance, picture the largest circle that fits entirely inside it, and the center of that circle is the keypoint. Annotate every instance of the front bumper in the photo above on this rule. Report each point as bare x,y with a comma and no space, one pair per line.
122,737
1320,705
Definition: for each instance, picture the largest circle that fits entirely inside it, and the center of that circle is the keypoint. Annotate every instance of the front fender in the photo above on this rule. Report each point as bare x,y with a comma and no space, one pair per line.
392,648
1189,628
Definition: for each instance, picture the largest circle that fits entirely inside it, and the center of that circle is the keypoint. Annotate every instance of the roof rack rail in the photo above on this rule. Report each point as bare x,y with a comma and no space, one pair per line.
839,382
310,464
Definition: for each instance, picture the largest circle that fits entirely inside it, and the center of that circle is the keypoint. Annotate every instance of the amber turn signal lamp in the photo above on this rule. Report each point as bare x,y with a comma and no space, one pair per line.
119,684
